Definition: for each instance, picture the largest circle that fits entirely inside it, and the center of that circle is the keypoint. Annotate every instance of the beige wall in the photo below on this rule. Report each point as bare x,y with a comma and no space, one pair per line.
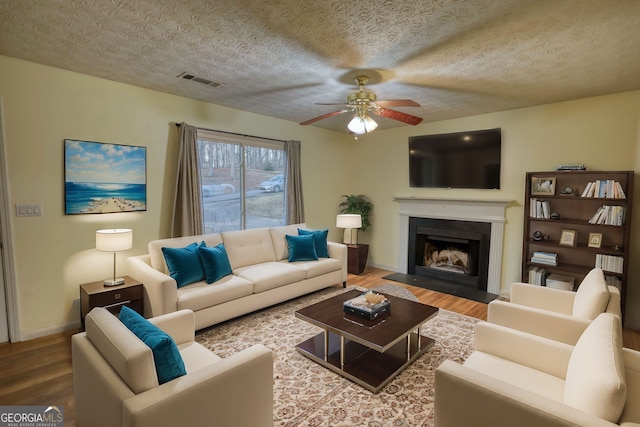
601,132
54,253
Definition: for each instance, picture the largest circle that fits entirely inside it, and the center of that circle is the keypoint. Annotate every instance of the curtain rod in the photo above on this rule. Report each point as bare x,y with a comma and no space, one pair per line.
236,134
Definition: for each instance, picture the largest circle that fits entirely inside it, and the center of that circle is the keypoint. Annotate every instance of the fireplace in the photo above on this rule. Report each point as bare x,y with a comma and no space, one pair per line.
491,212
456,252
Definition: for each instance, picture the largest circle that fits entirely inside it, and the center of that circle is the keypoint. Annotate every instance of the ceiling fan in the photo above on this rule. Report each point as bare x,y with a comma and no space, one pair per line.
363,102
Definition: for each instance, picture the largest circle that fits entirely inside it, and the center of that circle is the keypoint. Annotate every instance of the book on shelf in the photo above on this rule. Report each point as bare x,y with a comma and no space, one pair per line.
548,258
604,189
537,276
608,215
614,281
612,263
539,208
558,281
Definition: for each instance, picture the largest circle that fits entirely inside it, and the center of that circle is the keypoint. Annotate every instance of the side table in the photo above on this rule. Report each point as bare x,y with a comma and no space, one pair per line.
357,258
96,294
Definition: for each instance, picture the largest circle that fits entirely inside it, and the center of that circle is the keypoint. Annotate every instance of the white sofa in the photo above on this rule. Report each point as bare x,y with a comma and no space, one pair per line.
115,381
519,379
262,275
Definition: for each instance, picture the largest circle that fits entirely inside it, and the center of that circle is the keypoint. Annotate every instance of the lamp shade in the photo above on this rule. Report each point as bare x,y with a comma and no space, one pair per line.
360,125
114,240
349,221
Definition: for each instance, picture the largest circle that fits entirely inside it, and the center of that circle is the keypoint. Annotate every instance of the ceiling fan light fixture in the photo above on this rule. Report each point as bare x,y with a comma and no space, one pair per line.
360,125
356,125
369,124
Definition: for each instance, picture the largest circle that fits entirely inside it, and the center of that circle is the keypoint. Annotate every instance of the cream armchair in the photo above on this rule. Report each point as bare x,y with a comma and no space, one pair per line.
517,379
115,382
553,313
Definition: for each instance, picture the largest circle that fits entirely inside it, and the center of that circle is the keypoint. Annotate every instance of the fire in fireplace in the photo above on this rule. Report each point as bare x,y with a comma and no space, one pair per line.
448,256
456,252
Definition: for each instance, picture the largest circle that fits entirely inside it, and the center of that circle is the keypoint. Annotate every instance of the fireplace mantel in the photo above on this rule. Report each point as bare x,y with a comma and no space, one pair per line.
480,210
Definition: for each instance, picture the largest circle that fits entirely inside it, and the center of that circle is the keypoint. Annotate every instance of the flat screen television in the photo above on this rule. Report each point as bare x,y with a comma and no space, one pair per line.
456,160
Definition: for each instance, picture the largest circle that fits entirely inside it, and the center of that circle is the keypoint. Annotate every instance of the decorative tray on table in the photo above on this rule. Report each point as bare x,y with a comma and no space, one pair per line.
369,306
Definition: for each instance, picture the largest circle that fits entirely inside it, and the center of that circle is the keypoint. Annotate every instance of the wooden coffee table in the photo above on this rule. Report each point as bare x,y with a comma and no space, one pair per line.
370,353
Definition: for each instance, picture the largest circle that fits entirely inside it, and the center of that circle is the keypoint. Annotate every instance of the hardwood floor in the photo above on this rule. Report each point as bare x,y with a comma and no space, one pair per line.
38,372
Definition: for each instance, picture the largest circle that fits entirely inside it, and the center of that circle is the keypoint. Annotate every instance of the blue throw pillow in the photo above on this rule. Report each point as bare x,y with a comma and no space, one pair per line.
215,261
184,264
320,239
301,248
169,364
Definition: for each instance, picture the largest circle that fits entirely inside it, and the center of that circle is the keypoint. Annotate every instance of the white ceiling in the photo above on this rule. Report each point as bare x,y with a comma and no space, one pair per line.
280,57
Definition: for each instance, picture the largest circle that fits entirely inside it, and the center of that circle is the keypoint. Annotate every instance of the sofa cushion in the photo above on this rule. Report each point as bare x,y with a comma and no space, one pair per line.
125,352
280,242
200,295
156,257
592,296
301,248
320,240
595,381
215,262
184,264
249,247
271,275
319,267
166,356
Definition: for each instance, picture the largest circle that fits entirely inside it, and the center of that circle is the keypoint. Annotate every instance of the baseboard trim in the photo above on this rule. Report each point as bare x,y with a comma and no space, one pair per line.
40,333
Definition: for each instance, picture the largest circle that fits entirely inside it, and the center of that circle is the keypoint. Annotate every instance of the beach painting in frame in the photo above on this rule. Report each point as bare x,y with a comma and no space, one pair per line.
104,178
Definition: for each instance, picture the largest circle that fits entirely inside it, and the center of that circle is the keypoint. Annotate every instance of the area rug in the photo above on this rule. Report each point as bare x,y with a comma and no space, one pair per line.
307,394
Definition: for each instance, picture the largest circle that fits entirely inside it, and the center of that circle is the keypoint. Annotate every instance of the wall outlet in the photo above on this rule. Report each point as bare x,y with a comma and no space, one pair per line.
76,304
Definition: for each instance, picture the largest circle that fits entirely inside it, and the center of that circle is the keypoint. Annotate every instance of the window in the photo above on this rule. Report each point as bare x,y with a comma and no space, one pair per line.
243,181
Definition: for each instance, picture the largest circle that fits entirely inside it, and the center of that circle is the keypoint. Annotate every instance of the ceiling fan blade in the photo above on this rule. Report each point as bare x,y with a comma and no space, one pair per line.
330,103
398,103
397,115
326,116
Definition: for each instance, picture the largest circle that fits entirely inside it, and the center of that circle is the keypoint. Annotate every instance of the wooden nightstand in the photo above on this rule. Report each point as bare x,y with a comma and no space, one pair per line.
357,258
96,294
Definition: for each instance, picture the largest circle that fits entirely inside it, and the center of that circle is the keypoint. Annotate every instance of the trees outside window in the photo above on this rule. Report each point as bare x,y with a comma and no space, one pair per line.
242,181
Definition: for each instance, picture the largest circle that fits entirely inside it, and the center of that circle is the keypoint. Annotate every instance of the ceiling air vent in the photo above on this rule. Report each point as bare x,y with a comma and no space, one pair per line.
202,80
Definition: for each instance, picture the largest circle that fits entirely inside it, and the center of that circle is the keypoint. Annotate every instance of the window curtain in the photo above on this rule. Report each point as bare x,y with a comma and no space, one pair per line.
187,208
293,195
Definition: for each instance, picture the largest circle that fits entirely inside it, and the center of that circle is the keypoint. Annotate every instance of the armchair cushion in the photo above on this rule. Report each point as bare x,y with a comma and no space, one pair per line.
592,295
595,381
129,357
166,356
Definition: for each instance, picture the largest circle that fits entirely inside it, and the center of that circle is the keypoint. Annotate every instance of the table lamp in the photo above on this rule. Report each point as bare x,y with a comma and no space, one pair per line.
350,221
114,240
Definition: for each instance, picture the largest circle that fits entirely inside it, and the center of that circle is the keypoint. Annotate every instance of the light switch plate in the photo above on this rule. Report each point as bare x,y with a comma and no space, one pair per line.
28,209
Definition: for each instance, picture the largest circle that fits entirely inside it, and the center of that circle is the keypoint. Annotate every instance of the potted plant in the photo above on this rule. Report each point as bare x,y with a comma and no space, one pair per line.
357,254
357,204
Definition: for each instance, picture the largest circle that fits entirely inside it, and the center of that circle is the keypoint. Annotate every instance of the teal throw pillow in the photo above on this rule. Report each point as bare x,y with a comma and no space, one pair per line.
167,358
320,239
301,248
215,261
184,264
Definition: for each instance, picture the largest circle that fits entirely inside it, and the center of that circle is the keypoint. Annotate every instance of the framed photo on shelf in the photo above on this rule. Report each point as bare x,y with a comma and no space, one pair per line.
543,186
568,237
595,240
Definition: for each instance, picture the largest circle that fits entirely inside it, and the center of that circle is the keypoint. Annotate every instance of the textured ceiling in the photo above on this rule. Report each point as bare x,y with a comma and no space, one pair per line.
279,57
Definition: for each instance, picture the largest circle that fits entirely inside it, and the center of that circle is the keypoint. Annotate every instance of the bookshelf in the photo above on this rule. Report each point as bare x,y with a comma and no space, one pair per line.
575,221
